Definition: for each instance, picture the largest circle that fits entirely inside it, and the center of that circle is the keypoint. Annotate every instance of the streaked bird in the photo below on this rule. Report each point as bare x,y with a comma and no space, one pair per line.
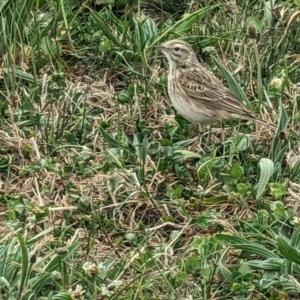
196,93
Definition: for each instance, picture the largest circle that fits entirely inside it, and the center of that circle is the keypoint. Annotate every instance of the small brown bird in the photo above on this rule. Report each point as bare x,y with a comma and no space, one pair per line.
196,93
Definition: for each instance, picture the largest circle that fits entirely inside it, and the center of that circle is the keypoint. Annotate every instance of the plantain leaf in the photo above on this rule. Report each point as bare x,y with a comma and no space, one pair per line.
266,171
244,244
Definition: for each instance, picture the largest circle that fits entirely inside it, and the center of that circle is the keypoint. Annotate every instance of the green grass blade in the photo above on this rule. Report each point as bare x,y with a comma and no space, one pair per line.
232,83
24,265
189,18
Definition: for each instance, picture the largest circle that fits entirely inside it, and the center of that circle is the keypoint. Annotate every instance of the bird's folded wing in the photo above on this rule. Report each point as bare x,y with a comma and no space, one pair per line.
203,87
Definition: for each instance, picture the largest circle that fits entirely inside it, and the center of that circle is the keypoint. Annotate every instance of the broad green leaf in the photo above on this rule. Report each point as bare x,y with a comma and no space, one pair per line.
268,13
20,74
187,154
279,158
227,274
278,190
113,155
288,251
278,151
244,244
207,274
295,240
263,217
5,252
112,142
270,264
290,284
62,296
239,143
140,40
236,171
150,31
244,269
266,283
182,144
283,117
266,171
107,31
107,265
107,14
24,265
40,280
258,24
178,279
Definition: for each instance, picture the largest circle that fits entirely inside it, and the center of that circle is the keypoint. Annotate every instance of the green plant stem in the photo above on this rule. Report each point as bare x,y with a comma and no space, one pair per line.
259,77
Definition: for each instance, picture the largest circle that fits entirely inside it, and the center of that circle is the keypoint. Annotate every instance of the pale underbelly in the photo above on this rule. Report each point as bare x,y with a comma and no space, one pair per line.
194,113
194,116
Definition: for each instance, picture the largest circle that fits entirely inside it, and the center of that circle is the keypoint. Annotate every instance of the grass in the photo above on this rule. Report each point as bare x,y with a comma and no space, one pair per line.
104,194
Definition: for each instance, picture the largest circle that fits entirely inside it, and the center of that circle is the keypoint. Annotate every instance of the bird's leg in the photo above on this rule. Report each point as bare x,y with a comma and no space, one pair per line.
201,129
198,141
222,137
209,133
208,138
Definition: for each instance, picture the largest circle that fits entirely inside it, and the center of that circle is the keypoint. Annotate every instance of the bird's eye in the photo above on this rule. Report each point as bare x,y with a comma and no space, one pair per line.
177,49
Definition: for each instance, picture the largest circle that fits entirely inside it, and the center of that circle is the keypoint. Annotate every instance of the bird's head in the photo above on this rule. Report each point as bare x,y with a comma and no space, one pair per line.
178,53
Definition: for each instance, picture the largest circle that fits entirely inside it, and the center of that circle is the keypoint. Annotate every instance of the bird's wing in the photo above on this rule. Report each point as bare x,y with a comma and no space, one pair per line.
203,87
